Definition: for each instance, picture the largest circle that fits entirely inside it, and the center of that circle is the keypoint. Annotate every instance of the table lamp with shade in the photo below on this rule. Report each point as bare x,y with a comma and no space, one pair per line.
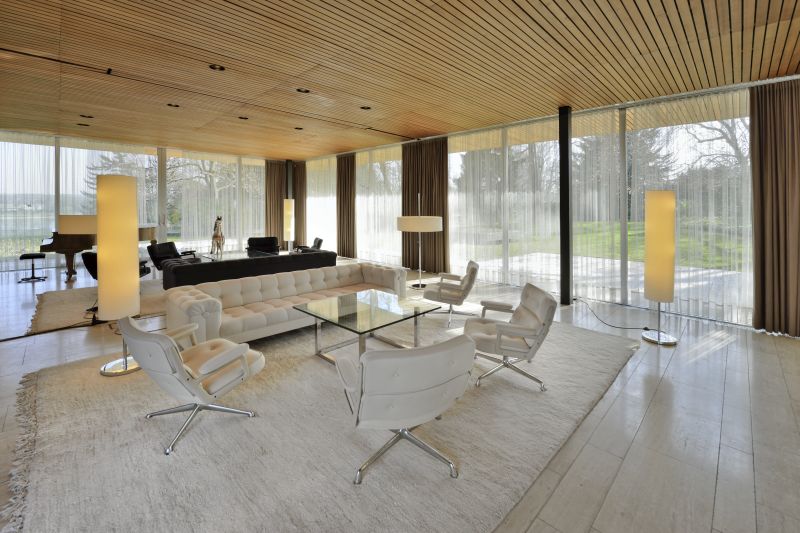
659,257
117,258
419,224
288,222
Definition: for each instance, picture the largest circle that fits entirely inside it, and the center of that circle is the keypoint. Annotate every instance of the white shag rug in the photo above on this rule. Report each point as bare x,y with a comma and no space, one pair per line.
88,460
65,308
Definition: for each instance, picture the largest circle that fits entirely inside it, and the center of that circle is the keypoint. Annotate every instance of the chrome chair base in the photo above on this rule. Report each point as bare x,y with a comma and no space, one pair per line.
510,363
406,434
194,408
450,312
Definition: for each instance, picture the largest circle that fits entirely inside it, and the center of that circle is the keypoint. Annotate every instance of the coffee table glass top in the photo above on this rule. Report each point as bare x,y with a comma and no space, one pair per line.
365,311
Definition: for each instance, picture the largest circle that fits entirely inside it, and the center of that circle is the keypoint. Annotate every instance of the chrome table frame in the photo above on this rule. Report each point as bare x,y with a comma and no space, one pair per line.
321,351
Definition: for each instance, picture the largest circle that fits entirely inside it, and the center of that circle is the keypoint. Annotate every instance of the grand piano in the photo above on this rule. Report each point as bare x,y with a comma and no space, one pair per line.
78,233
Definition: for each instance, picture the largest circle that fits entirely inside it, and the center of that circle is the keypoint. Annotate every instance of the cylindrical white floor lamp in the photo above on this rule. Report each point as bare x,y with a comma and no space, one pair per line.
117,258
288,222
659,257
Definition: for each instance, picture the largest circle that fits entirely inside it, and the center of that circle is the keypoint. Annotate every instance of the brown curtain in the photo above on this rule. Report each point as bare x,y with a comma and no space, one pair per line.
775,156
275,194
299,195
346,204
425,172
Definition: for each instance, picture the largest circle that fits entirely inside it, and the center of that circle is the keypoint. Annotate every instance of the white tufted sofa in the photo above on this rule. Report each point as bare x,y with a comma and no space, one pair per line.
250,308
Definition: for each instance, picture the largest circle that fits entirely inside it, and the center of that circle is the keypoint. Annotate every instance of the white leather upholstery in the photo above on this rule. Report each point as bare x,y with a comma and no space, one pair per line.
199,374
394,389
254,307
521,336
453,293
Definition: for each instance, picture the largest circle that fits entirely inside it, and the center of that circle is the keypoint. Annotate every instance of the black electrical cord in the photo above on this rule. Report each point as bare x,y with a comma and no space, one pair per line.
584,302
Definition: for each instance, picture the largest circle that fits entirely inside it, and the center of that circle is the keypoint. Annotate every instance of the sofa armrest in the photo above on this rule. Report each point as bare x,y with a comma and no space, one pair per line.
188,305
393,278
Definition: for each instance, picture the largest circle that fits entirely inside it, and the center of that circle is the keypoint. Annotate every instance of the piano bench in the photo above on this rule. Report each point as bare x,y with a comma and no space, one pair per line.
33,277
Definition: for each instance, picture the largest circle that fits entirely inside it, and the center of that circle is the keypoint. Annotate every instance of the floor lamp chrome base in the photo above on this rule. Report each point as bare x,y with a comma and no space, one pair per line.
122,366
659,337
656,336
119,367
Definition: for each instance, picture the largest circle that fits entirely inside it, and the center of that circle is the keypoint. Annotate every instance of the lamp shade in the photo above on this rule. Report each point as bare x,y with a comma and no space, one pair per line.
288,220
659,245
77,224
117,247
419,224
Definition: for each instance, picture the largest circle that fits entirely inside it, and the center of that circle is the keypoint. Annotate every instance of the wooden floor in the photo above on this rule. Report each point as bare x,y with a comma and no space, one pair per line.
701,437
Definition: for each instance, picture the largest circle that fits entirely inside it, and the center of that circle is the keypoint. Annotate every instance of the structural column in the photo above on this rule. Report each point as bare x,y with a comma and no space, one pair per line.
565,197
162,195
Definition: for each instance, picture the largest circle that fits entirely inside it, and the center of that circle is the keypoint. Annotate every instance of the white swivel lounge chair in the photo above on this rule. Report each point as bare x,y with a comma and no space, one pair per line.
197,375
452,289
508,343
401,389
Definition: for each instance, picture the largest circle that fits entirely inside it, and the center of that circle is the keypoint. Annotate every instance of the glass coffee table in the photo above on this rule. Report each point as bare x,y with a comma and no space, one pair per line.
363,313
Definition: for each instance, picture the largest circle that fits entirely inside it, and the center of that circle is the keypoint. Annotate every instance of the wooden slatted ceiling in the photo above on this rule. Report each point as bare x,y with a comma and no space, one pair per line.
425,67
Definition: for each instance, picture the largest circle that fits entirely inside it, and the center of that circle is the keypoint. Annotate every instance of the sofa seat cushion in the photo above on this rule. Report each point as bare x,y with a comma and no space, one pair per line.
256,315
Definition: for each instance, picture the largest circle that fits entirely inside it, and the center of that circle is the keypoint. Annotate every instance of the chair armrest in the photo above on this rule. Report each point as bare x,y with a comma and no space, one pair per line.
448,276
490,305
188,252
225,358
181,332
515,330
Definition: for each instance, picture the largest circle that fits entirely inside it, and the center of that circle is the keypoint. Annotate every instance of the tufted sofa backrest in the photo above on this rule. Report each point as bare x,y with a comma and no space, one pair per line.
243,291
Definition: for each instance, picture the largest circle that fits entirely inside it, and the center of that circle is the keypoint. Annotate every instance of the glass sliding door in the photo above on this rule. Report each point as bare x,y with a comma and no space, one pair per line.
532,205
503,204
27,196
698,147
321,202
597,206
378,204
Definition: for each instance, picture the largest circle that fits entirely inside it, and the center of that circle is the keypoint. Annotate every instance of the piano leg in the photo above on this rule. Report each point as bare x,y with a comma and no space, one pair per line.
70,257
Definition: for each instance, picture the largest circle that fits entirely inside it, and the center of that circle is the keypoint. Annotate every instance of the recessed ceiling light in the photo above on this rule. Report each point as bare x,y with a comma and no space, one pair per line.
366,107
304,91
298,128
86,116
214,66
173,105
244,118
82,124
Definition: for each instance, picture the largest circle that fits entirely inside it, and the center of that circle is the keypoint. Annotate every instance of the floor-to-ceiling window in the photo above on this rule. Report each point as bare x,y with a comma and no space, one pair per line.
81,161
321,201
378,204
698,147
27,195
503,203
597,206
201,187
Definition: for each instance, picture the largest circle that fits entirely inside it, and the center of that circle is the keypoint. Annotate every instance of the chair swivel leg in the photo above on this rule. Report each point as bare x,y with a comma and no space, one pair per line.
195,408
421,444
375,456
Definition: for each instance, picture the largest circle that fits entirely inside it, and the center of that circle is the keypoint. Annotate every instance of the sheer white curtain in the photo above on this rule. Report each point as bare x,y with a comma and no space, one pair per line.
83,160
475,203
27,196
321,201
378,204
503,203
201,187
597,182
252,214
532,205
698,147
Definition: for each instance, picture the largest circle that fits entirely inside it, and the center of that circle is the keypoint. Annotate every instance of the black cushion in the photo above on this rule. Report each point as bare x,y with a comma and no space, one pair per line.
180,273
33,255
258,246
90,264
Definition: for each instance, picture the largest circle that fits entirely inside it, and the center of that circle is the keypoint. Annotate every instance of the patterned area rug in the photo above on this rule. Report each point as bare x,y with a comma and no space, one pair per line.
88,460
